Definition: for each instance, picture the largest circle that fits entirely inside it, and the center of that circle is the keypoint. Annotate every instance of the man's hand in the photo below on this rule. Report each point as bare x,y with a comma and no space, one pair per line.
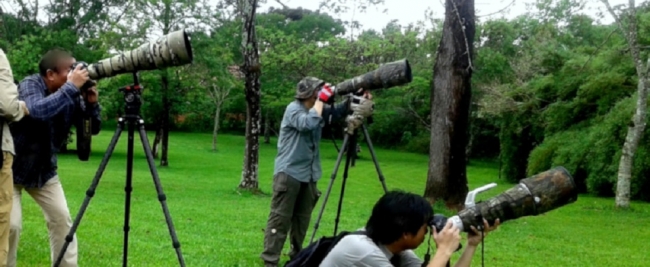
91,96
474,238
24,106
326,93
78,76
366,94
448,239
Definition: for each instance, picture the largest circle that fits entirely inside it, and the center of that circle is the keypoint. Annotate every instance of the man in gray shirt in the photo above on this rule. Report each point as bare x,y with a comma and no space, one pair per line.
397,226
297,166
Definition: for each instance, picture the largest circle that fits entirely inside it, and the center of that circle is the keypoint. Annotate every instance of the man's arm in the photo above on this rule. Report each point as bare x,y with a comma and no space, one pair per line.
466,257
302,121
474,238
440,259
408,259
96,118
375,259
11,108
43,108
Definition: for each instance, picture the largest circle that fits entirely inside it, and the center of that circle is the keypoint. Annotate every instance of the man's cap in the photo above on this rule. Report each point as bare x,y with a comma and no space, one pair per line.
307,86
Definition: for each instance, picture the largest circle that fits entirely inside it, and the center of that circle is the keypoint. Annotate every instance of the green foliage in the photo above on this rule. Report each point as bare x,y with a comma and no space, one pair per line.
592,153
550,87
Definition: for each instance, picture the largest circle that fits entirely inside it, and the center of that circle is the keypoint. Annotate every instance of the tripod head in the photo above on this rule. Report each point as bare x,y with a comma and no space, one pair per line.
132,97
362,108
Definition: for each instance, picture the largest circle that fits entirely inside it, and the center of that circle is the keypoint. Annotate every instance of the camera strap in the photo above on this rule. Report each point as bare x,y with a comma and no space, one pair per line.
329,122
427,256
480,219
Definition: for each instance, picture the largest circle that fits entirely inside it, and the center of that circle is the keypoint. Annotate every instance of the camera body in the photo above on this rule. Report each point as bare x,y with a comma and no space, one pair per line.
90,83
84,134
438,221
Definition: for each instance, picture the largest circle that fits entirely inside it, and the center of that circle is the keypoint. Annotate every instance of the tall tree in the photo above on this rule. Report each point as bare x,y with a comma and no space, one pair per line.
450,106
252,72
636,127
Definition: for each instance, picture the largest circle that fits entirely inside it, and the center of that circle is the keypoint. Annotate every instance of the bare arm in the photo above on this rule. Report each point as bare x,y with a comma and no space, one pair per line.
466,257
473,239
440,259
318,106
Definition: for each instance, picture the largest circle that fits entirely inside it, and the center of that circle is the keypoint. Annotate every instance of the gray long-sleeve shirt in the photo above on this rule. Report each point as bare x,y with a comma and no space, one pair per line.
360,251
300,135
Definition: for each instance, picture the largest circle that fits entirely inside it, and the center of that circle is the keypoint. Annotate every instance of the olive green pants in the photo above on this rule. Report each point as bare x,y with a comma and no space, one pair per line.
291,208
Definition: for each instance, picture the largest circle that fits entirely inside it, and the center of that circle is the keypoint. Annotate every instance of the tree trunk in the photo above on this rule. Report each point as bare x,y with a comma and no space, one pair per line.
156,140
450,106
637,125
267,129
165,120
216,126
251,69
634,133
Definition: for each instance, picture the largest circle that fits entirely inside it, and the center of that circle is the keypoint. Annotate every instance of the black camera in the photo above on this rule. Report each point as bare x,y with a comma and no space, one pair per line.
90,83
439,221
84,133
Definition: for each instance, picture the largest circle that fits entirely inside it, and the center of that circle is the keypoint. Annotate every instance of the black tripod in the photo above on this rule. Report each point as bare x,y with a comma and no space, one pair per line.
349,146
132,97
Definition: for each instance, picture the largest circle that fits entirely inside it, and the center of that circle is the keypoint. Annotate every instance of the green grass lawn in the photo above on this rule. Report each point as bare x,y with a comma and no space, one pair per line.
217,226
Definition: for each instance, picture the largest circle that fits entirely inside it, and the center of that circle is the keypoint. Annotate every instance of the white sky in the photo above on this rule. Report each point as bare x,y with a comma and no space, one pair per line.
411,11
407,11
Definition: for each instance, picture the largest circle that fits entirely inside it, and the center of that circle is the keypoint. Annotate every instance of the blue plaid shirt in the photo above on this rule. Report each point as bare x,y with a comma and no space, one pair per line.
39,136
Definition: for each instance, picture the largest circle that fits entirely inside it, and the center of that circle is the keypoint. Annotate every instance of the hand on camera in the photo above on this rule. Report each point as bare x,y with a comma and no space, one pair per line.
448,239
326,93
24,106
78,76
474,238
365,94
91,95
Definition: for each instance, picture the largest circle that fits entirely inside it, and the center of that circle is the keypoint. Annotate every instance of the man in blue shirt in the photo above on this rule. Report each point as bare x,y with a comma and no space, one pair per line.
297,166
56,102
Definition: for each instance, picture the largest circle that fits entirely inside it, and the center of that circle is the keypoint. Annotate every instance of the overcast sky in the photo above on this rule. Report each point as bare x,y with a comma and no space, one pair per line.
410,11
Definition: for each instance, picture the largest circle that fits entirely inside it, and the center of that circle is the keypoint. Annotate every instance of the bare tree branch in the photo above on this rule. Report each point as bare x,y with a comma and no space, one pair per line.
497,12
282,4
462,26
597,49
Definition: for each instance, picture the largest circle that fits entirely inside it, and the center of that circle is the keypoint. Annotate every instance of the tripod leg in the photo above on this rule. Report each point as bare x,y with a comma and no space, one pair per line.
371,149
329,187
127,189
91,191
348,159
161,195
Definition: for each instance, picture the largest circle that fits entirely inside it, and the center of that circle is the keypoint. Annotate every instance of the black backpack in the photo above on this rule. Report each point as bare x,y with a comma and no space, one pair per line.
314,254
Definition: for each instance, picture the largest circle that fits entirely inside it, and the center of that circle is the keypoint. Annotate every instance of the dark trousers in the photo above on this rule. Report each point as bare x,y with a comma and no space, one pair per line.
291,208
